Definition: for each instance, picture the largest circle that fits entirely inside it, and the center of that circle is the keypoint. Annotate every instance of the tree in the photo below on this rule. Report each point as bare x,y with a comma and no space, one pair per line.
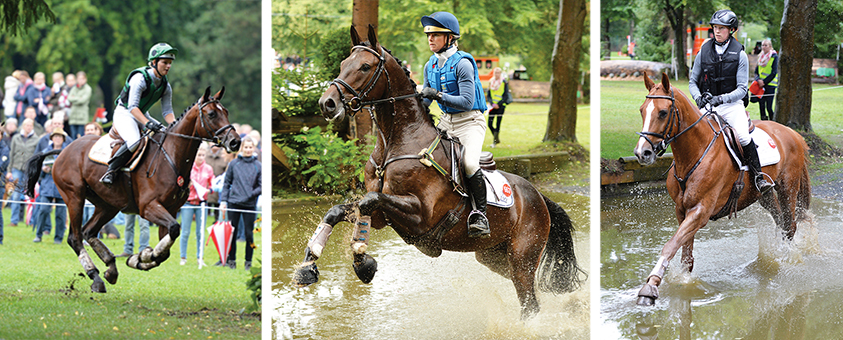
562,118
793,100
17,16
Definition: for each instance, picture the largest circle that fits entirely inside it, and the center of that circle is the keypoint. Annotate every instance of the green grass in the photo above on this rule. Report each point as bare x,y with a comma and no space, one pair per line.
523,128
620,117
42,294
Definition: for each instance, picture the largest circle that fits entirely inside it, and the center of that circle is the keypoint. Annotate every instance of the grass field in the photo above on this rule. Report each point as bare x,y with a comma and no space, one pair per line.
620,118
43,294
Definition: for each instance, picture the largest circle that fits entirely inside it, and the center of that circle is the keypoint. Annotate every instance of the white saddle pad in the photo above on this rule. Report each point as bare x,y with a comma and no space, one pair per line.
101,153
498,190
768,151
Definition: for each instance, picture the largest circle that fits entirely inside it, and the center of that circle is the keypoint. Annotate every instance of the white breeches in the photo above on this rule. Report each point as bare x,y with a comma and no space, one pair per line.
735,114
128,127
470,128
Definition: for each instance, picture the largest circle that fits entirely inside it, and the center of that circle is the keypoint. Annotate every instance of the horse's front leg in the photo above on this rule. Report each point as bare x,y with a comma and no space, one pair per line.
150,258
308,273
695,218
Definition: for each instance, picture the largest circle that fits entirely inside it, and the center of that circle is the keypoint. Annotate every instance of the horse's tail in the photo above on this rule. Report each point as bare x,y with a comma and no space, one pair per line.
33,170
558,270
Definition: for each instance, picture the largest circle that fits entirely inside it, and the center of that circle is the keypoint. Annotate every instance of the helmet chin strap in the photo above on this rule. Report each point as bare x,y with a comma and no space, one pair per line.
447,45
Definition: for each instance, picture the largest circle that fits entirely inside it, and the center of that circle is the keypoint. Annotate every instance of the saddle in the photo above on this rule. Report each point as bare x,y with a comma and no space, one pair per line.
106,146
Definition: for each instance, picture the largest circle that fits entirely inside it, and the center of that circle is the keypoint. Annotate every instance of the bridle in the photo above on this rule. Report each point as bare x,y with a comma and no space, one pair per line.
203,120
672,119
356,103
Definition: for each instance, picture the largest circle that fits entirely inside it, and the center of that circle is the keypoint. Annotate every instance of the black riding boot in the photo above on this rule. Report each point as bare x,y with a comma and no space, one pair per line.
751,158
116,162
478,225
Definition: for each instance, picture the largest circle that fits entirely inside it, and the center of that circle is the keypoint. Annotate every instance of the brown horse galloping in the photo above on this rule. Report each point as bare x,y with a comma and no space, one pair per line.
534,235
703,173
155,191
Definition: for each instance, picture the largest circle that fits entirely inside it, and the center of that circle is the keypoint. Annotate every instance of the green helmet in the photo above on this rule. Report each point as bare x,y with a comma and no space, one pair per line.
162,51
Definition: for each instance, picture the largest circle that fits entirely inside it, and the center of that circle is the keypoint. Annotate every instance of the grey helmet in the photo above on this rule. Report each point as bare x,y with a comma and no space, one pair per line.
724,17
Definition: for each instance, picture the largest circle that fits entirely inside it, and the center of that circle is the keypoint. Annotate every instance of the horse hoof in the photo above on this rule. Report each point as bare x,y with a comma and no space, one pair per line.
306,274
647,295
111,276
365,267
98,286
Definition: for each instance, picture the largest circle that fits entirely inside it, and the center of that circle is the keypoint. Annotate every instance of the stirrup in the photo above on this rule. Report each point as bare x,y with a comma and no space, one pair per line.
762,185
480,226
108,178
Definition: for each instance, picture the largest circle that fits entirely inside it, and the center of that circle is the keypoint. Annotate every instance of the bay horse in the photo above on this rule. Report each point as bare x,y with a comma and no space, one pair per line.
530,241
704,174
155,190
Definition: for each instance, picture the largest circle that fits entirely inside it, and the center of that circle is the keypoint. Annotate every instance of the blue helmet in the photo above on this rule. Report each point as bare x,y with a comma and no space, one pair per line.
441,22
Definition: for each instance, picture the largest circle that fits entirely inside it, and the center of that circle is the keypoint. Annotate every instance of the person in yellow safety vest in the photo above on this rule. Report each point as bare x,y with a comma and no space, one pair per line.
768,78
499,96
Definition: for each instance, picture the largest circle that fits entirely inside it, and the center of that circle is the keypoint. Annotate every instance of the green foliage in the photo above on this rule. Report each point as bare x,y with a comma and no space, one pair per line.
335,47
296,92
17,16
254,285
322,162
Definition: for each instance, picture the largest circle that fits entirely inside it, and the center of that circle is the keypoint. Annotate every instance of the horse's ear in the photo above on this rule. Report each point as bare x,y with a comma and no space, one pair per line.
648,82
207,93
355,38
373,37
665,82
219,95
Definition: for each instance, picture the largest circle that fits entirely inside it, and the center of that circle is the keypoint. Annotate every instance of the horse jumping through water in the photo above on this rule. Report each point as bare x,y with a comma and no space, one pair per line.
155,192
530,240
705,182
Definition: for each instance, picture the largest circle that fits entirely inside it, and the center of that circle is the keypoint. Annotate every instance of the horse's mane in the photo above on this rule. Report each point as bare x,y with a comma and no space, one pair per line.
184,113
410,79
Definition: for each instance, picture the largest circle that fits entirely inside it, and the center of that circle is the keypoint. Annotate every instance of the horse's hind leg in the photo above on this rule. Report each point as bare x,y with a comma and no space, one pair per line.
787,191
495,259
90,231
524,259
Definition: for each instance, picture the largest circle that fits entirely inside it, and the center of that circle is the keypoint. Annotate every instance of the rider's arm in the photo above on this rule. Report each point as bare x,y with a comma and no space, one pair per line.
742,78
696,73
167,105
465,79
424,73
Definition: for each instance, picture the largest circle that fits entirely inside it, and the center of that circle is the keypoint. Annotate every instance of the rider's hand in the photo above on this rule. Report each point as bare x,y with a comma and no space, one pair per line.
716,101
154,125
430,93
703,99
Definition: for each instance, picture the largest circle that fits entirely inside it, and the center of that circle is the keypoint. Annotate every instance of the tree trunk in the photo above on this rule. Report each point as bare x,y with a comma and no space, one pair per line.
793,100
676,17
562,118
364,13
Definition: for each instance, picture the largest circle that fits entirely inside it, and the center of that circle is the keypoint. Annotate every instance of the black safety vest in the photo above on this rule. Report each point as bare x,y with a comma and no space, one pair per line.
719,71
149,96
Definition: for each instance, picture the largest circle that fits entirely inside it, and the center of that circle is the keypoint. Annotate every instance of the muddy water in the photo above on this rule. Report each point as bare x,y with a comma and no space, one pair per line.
412,296
746,284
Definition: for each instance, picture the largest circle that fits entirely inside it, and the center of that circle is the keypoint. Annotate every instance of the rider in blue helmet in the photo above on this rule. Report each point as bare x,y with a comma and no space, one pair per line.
451,78
144,87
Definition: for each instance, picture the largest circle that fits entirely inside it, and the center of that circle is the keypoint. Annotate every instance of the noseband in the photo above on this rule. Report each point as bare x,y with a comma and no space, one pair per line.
673,117
356,103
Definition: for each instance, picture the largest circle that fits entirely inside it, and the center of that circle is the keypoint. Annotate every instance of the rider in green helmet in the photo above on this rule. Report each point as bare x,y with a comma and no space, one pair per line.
143,87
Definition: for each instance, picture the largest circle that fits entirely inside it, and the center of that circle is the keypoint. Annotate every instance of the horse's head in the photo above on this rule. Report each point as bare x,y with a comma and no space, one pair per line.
660,117
212,121
362,78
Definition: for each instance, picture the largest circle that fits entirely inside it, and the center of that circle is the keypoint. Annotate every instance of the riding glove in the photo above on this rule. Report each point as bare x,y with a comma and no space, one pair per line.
154,125
716,101
430,93
703,99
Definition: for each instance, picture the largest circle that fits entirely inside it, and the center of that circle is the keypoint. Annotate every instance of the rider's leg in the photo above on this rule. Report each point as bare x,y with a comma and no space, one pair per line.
116,162
478,225
129,130
751,157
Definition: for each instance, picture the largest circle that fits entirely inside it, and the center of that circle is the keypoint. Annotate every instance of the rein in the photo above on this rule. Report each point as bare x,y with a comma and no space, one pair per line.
666,139
356,103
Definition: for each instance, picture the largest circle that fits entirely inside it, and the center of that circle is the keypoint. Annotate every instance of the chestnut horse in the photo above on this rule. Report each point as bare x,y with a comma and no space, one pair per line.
534,235
703,173
155,191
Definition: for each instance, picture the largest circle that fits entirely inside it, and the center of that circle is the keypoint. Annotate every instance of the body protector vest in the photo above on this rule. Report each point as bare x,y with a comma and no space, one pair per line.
149,96
719,71
765,71
444,79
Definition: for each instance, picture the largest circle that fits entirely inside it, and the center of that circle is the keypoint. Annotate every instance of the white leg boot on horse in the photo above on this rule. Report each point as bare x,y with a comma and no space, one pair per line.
478,224
750,153
308,273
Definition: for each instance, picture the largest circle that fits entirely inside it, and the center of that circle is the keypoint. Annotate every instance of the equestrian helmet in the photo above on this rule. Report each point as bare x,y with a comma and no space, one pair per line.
441,22
724,17
162,51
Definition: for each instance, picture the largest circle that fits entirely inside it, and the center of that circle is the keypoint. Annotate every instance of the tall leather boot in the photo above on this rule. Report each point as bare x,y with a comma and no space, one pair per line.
116,162
751,158
478,224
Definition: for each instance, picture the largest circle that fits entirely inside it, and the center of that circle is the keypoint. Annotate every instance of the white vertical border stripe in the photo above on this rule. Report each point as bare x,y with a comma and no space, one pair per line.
594,65
266,141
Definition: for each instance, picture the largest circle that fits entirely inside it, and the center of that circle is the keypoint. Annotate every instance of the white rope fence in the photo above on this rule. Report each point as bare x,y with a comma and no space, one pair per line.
818,90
